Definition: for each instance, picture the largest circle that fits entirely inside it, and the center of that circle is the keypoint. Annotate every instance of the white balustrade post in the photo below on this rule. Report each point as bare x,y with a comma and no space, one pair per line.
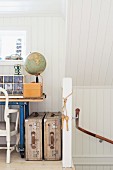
67,135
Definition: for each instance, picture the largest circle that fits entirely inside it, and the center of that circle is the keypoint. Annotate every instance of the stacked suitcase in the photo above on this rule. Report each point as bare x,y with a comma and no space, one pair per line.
52,136
34,136
43,136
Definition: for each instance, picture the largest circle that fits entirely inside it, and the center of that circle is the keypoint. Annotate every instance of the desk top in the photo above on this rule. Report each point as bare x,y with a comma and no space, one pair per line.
24,99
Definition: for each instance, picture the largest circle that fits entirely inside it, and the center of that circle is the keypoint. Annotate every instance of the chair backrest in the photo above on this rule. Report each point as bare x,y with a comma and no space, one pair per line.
6,102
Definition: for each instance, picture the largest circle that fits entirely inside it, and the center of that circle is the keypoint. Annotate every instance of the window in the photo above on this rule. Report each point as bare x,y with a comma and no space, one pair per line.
11,43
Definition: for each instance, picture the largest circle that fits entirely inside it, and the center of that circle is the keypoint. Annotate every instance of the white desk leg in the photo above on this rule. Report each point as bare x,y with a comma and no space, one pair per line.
67,135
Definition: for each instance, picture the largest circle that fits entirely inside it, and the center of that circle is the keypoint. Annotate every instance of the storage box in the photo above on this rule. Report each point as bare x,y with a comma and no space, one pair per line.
52,136
34,136
32,90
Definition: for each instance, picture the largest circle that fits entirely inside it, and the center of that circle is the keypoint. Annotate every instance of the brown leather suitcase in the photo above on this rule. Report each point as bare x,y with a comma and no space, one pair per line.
34,136
52,136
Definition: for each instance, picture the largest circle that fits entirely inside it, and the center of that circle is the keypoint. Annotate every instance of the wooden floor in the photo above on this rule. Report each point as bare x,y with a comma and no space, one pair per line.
17,163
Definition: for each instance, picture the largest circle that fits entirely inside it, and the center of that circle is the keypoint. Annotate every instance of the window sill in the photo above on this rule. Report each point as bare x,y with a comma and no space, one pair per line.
11,62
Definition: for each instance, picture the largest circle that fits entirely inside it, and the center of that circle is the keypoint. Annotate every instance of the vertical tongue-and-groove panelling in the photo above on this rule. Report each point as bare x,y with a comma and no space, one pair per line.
89,59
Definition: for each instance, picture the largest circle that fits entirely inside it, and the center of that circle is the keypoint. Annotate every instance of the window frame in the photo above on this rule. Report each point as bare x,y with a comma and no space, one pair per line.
28,44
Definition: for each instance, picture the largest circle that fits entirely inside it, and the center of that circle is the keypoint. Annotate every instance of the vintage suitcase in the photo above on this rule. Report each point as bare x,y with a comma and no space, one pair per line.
34,136
52,136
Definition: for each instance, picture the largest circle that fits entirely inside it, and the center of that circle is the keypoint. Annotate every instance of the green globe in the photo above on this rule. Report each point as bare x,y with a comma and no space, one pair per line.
35,63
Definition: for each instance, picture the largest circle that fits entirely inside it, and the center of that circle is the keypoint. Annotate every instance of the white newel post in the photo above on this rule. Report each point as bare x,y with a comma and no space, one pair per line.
67,135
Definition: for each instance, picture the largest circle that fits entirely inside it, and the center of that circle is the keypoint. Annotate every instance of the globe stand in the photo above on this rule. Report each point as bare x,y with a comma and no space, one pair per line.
37,79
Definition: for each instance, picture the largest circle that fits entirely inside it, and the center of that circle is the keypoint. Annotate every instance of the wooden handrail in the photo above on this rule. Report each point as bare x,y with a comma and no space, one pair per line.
77,112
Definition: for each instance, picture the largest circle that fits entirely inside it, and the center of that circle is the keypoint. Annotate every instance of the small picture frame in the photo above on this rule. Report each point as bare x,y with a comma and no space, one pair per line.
18,88
18,79
1,85
8,79
8,87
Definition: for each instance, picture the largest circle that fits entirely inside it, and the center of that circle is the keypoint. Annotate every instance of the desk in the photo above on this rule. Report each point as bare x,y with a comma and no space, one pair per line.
23,104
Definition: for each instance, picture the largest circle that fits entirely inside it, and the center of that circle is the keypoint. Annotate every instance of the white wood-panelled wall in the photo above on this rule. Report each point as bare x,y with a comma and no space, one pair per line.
89,56
96,115
89,61
45,34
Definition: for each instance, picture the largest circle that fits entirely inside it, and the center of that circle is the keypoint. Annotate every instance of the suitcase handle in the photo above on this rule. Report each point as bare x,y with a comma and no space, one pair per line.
52,115
36,114
52,140
33,140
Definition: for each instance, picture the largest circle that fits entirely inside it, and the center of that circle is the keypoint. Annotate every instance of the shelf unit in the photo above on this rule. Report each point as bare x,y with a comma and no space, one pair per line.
13,84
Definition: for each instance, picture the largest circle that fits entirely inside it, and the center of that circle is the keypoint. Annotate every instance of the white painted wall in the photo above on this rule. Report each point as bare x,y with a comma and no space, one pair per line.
89,61
42,7
89,57
45,34
96,116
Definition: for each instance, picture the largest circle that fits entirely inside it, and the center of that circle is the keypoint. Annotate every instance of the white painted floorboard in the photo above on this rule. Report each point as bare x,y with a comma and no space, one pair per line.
17,163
